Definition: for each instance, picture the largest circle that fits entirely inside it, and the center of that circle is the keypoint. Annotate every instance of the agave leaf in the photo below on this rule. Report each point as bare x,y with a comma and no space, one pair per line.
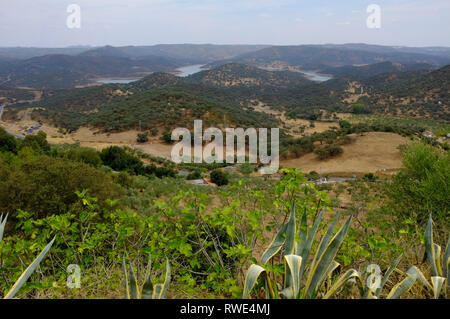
309,241
157,291
403,286
323,262
290,233
292,272
328,235
446,258
387,275
29,271
134,294
333,266
275,246
437,259
2,225
414,271
147,288
438,283
251,278
287,293
429,246
352,273
302,233
125,276
166,280
448,275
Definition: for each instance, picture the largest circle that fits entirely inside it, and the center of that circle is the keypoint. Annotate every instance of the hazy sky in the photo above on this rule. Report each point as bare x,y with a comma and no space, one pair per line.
147,22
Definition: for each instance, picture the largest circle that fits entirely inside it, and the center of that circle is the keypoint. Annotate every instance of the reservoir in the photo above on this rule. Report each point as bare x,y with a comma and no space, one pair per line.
116,81
316,76
189,70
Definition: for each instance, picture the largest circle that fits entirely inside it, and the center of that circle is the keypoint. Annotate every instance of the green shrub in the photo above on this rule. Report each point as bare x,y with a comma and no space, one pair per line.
219,177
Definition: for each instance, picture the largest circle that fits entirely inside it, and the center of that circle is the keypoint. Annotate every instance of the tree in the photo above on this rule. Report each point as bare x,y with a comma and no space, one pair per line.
345,124
37,142
142,137
7,142
421,188
46,185
219,177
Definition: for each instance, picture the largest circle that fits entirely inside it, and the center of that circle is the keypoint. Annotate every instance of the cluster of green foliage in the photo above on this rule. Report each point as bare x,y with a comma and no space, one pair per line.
421,187
219,177
329,151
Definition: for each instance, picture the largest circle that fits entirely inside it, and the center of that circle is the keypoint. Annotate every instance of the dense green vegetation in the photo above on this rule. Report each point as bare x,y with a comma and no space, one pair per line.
98,215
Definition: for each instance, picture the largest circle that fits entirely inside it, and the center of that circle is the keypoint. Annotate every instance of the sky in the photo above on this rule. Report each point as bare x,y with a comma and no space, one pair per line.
43,23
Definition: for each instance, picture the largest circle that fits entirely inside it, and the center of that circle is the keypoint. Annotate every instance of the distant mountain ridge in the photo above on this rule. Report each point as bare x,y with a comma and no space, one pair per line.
316,57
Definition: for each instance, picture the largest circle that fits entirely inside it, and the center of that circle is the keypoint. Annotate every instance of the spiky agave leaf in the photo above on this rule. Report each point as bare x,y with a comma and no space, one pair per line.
403,286
306,249
251,278
290,233
438,284
2,225
430,248
147,288
387,275
352,273
29,271
125,279
292,274
167,280
316,273
133,285
275,246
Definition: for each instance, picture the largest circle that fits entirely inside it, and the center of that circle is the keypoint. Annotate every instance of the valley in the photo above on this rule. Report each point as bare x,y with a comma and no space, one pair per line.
86,166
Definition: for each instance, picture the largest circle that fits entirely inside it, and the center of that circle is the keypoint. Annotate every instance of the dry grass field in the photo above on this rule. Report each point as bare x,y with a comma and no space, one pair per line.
372,152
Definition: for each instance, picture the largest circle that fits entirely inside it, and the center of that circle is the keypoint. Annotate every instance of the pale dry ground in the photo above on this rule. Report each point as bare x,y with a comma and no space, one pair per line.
372,152
86,137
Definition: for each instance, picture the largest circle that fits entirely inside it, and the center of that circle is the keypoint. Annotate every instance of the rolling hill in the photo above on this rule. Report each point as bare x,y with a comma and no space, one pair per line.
317,57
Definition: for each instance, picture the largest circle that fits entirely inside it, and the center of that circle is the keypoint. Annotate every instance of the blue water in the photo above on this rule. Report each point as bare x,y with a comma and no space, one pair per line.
117,81
189,70
316,76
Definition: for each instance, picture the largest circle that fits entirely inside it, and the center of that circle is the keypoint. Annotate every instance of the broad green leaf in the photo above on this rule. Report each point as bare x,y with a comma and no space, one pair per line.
251,278
29,271
292,273
414,271
323,262
275,246
387,275
352,273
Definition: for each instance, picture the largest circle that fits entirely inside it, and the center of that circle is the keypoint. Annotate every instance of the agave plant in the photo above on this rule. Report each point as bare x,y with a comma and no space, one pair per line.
147,290
302,280
440,270
30,269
